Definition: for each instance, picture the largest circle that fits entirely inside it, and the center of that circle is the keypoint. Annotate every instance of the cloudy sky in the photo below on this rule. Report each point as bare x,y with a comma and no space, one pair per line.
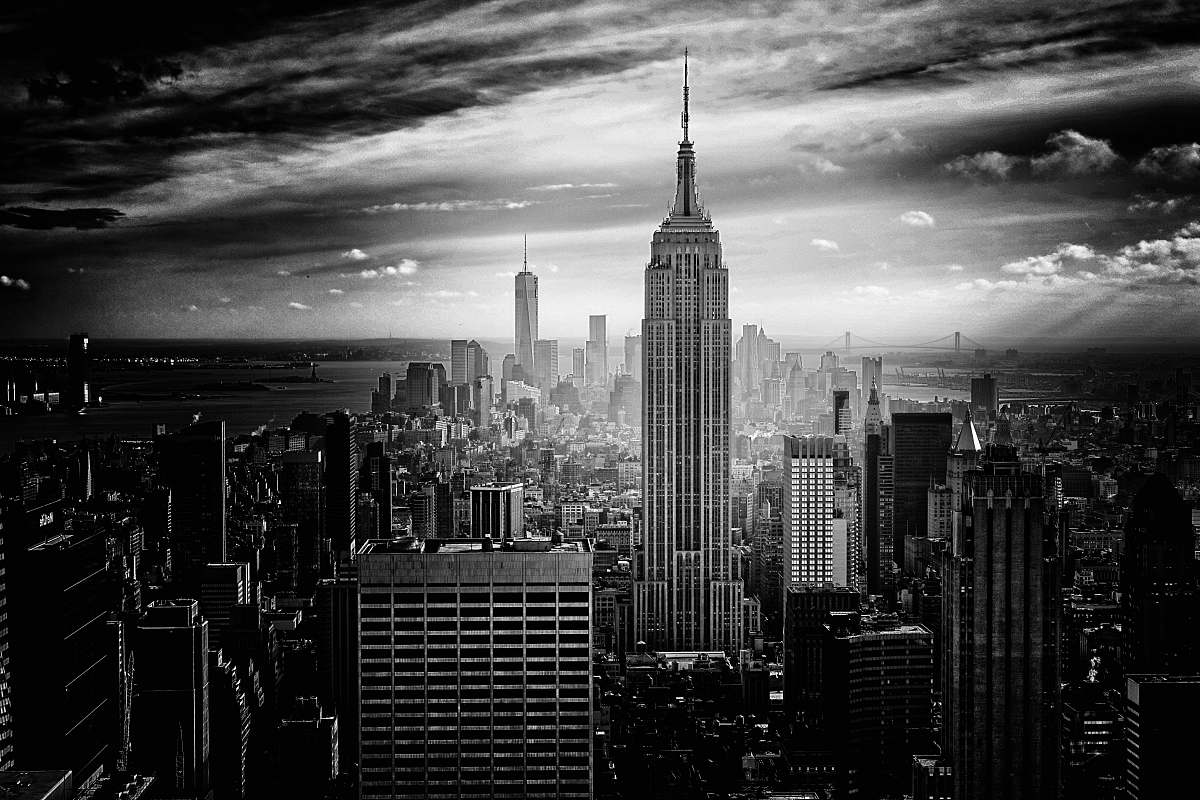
1015,170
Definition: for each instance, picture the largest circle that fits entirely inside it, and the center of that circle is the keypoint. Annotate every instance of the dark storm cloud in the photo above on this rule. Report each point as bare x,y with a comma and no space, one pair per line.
135,92
42,219
968,37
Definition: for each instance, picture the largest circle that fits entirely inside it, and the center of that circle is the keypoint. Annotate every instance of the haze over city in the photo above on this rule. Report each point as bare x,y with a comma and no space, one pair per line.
1016,171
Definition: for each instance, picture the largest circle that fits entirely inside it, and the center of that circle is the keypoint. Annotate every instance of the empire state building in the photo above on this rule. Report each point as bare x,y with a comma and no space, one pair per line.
686,593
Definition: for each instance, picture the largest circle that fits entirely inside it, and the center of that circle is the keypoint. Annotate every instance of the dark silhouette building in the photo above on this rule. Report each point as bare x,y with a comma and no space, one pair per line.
806,610
919,443
377,479
336,607
302,497
1000,623
1160,740
171,729
63,656
306,746
341,484
230,726
1158,582
192,464
877,696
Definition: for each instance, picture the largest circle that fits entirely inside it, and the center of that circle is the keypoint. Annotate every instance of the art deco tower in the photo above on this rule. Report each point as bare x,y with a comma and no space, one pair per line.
686,595
526,290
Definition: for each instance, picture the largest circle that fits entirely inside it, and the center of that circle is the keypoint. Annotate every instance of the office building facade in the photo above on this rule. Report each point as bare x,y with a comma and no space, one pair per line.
475,670
808,546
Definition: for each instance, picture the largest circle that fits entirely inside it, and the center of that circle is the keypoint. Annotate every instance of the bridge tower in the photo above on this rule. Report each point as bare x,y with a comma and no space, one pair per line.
847,340
957,341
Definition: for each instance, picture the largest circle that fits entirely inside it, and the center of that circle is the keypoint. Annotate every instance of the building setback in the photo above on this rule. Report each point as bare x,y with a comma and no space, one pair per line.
475,669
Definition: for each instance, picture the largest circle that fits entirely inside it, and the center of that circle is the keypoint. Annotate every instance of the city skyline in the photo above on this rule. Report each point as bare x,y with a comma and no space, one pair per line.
867,170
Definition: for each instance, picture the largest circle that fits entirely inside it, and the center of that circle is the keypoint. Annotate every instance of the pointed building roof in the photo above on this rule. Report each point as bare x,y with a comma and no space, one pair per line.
687,199
968,438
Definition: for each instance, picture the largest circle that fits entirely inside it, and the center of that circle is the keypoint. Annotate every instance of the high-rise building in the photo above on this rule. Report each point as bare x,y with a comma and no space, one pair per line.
497,511
919,443
478,361
171,729
309,741
422,509
877,700
848,555
384,395
192,464
337,622
985,395
597,350
874,444
526,327
1160,716
229,726
579,364
1093,742
63,657
6,721
748,361
807,511
458,361
767,549
223,586
475,669
841,411
79,371
302,503
806,609
468,361
377,479
1000,628
625,398
423,383
341,483
633,357
686,595
1158,582
939,512
545,354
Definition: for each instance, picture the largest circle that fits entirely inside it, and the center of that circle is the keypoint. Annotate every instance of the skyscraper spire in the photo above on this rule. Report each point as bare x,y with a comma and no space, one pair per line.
687,200
525,258
684,116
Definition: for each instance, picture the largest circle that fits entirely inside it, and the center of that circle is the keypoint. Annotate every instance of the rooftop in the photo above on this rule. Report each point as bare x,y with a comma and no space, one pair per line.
411,544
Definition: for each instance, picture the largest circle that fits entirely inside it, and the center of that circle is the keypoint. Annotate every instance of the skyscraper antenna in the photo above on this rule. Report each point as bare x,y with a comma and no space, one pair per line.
684,117
525,259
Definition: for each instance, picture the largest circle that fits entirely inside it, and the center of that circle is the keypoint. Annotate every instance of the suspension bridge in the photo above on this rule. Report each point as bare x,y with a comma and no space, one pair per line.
956,342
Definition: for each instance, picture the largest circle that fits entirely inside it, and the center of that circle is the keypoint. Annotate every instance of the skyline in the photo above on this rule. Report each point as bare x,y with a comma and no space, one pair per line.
904,171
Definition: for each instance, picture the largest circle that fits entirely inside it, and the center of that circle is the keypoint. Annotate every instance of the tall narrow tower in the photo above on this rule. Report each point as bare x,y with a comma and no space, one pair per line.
686,596
526,291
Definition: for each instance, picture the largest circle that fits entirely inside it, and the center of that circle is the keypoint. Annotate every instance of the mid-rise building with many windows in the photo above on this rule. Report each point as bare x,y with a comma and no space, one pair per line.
475,669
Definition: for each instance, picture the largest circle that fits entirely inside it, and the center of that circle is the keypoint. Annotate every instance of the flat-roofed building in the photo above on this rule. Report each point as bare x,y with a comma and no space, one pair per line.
475,669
